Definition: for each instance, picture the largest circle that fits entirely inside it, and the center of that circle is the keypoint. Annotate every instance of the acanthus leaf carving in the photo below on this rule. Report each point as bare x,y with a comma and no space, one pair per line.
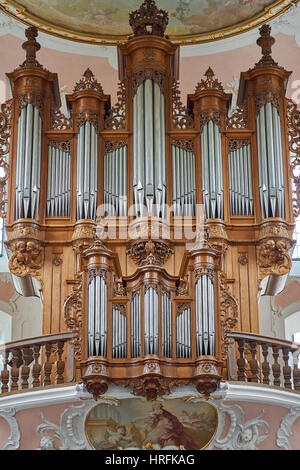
228,315
73,318
116,116
27,258
149,252
293,121
182,116
273,257
5,129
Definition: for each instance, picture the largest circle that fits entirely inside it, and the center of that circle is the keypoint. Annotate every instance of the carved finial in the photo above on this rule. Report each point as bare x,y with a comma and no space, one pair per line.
149,20
266,41
88,82
31,46
210,82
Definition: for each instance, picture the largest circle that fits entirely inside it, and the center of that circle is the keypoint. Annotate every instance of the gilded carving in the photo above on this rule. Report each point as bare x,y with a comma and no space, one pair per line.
26,258
5,129
73,318
149,252
293,121
273,257
228,315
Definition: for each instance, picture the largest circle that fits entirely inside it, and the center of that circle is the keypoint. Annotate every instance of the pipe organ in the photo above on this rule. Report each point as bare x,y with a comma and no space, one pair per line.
104,209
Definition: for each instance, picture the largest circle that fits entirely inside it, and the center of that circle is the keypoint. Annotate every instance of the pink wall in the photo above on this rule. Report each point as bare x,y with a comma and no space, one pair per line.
70,67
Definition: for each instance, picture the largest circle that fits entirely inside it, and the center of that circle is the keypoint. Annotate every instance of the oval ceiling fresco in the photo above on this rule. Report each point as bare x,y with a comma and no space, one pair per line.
107,21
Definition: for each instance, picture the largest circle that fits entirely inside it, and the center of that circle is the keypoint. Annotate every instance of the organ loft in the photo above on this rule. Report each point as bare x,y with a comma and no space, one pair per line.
150,228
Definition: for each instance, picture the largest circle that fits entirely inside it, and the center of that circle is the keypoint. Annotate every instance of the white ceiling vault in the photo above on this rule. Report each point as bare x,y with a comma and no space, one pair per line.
288,23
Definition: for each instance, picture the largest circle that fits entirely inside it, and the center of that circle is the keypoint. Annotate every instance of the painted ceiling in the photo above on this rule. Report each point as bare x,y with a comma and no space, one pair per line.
107,21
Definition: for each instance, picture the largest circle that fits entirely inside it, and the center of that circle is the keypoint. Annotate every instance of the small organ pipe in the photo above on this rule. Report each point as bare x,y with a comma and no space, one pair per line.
240,181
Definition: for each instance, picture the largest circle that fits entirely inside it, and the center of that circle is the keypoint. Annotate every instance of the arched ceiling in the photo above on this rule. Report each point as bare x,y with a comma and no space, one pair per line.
107,21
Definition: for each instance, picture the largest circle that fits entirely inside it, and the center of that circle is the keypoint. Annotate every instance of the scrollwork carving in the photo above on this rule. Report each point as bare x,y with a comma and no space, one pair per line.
88,82
73,318
293,121
267,96
59,121
85,116
148,74
5,129
187,145
26,258
228,315
273,257
116,116
182,117
149,252
209,83
33,98
238,119
148,15
151,386
207,116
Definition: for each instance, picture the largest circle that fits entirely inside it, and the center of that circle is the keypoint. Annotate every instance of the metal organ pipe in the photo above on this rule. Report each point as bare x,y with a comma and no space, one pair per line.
115,182
184,182
183,334
166,325
212,177
135,329
270,165
87,167
149,179
205,323
119,334
58,182
97,317
28,166
151,321
240,181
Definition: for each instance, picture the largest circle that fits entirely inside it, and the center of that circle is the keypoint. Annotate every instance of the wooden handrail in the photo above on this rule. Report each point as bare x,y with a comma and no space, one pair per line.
38,340
260,339
35,362
265,360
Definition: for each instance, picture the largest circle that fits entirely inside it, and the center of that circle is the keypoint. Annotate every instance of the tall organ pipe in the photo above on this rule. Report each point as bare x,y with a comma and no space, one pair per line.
97,317
119,334
270,164
28,166
135,328
183,334
184,182
58,182
240,181
205,323
166,325
149,179
212,178
87,168
151,321
115,182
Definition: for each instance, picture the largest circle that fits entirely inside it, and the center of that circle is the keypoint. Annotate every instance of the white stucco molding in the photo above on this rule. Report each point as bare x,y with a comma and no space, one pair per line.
13,442
285,429
231,391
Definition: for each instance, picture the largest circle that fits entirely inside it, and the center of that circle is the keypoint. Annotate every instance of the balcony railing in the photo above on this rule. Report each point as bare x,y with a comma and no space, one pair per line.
266,360
36,362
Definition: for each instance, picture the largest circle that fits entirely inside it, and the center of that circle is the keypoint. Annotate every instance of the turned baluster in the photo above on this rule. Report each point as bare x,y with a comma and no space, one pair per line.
242,362
15,370
5,372
254,367
36,368
276,367
60,364
286,368
265,365
48,365
296,374
25,370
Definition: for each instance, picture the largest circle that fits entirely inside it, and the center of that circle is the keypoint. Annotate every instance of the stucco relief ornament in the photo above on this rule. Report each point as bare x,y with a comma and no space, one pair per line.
242,435
13,442
285,429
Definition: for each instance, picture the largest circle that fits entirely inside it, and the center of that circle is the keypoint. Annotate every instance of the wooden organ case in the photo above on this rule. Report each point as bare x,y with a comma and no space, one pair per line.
152,227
